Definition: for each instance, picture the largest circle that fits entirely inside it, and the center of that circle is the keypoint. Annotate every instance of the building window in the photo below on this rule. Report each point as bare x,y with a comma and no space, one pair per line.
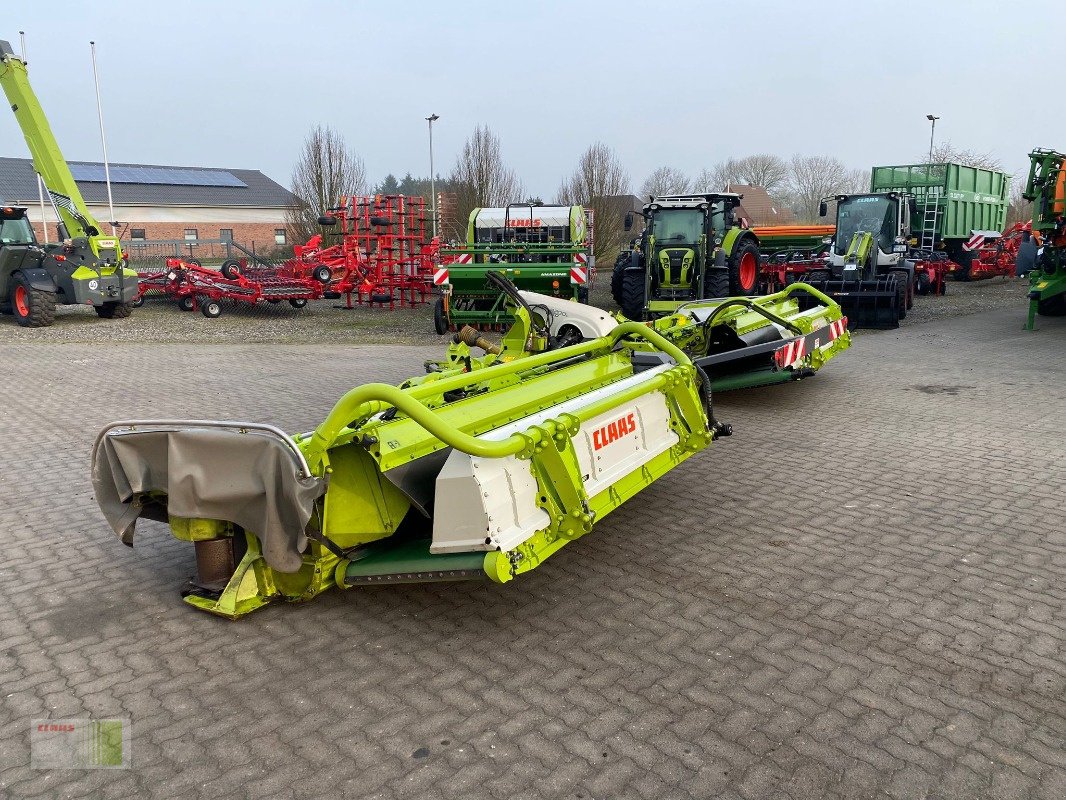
137,234
225,234
191,235
279,236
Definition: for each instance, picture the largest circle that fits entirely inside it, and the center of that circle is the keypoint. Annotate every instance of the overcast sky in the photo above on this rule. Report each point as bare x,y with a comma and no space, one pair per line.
237,83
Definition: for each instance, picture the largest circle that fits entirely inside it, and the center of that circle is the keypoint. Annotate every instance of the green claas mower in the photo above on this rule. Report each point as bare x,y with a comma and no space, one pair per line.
1046,188
481,468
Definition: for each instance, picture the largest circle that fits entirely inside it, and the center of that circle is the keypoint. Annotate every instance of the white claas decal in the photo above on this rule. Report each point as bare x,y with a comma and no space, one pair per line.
614,431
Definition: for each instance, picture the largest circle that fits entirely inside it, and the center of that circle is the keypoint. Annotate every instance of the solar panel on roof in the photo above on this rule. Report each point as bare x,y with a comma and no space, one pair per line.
164,176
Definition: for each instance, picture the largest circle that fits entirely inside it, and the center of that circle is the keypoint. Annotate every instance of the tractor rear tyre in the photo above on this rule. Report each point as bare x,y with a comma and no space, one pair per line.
1052,307
212,309
633,294
620,265
114,310
32,308
744,269
231,269
440,319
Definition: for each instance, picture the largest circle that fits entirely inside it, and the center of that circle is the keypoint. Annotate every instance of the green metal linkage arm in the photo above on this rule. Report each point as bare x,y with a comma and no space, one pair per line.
373,398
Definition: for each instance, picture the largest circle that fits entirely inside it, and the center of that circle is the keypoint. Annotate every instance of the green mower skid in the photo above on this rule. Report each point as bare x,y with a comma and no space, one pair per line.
481,474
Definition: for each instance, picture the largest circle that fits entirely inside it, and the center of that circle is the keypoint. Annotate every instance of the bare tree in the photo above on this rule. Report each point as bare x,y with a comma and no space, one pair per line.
810,179
946,152
480,179
665,180
598,183
762,169
1020,209
326,169
856,181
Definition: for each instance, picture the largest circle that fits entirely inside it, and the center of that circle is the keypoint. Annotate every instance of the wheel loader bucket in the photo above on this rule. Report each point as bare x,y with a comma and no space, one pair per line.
481,475
866,304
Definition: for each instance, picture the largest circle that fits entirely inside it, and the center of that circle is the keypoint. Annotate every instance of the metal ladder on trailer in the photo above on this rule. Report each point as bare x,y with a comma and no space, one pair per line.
930,217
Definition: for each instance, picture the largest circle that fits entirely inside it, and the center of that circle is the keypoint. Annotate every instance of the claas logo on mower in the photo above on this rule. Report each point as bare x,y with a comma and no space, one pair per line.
613,431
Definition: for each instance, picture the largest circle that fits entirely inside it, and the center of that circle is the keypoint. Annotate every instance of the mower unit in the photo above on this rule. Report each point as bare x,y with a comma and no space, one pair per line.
450,476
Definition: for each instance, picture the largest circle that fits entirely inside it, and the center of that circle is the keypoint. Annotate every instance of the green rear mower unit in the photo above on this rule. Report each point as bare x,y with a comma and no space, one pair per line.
1046,188
693,247
543,249
454,475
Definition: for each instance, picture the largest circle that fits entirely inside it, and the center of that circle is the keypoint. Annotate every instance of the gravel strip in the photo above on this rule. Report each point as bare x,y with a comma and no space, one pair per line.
323,321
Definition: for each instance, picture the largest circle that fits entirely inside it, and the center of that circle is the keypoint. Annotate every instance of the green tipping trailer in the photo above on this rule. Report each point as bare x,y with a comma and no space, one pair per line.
953,201
543,249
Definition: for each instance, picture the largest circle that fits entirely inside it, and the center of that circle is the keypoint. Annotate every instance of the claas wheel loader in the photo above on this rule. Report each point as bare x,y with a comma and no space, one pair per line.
479,474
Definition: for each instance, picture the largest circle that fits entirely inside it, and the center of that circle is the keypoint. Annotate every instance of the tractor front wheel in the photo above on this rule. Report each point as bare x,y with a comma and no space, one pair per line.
33,308
440,319
716,284
620,265
744,269
633,296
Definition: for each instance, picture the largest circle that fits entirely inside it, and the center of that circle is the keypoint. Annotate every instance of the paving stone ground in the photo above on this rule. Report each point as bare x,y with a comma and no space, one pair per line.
860,594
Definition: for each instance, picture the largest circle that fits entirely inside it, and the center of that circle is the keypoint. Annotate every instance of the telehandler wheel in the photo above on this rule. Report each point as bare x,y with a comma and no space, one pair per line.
901,297
440,319
744,270
33,308
231,269
633,294
186,303
114,310
211,309
299,302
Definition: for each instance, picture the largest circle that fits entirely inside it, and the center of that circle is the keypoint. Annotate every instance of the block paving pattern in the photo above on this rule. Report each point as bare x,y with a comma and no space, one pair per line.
860,594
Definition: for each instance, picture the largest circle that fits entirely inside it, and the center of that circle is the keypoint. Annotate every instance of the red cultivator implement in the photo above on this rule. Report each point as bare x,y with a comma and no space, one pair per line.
383,257
194,286
994,253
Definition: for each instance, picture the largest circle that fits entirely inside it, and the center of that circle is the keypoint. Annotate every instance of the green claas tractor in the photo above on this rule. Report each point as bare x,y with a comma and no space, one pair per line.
86,267
693,247
544,249
1046,188
480,469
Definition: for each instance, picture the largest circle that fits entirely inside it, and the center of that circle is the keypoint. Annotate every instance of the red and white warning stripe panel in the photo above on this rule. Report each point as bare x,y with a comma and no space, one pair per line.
837,328
440,276
464,258
974,242
791,353
579,272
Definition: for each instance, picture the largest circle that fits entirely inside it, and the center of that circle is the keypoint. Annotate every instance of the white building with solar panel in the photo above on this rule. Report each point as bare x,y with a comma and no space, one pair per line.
192,209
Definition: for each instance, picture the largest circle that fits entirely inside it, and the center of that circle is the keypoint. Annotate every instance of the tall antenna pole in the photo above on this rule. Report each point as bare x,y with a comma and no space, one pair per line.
432,175
103,140
44,216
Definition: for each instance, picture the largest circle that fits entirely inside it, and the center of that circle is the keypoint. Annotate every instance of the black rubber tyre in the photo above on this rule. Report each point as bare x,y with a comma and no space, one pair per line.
965,261
137,301
633,294
212,309
816,276
923,284
273,301
943,287
620,265
743,270
230,269
440,321
187,303
901,296
114,310
1052,307
322,274
298,302
32,308
195,262
716,284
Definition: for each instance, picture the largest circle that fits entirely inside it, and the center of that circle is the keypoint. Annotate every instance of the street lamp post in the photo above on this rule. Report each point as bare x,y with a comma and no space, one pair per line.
432,175
932,131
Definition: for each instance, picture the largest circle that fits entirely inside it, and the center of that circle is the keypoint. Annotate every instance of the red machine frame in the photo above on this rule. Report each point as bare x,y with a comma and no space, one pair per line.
383,257
996,255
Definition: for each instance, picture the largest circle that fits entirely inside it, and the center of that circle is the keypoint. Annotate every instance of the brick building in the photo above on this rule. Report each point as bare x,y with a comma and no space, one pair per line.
154,203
